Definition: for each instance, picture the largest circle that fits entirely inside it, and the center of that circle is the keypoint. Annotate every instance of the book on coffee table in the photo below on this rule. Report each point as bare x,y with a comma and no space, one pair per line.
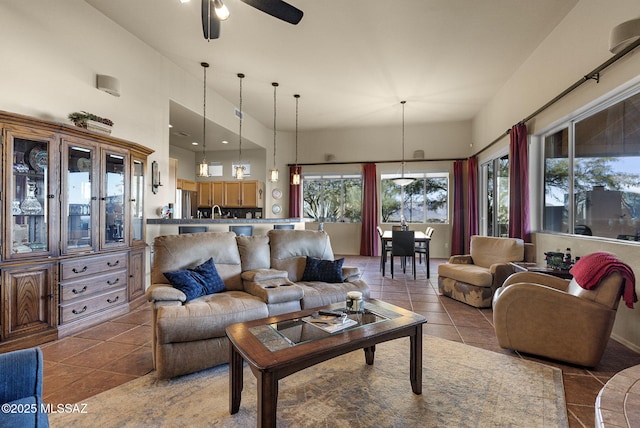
330,323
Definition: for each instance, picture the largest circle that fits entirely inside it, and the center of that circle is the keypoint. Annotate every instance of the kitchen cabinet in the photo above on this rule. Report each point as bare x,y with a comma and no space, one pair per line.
243,194
210,193
71,199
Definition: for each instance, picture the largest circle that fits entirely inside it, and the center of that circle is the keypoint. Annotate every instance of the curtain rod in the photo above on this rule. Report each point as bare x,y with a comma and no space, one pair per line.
379,161
593,75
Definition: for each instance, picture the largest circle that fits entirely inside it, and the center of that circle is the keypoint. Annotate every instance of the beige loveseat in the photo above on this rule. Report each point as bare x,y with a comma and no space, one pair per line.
262,277
474,277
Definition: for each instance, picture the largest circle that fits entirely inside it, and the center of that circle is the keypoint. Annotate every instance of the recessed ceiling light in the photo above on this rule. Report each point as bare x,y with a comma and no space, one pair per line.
184,1
195,143
225,142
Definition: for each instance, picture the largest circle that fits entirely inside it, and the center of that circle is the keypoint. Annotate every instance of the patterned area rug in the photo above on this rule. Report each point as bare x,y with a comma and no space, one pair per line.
463,386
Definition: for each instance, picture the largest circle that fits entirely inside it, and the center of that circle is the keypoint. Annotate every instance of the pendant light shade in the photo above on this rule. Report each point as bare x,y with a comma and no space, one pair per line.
273,174
402,180
295,177
239,172
203,166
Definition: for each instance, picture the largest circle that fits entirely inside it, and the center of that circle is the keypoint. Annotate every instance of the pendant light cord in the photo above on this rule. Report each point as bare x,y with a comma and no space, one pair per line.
241,76
204,110
297,97
403,103
275,87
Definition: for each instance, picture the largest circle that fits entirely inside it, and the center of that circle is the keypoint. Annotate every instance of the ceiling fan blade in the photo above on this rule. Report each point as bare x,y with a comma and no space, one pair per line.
210,22
278,9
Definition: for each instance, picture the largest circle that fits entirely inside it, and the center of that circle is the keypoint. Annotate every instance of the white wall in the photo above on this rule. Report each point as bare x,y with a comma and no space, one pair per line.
577,46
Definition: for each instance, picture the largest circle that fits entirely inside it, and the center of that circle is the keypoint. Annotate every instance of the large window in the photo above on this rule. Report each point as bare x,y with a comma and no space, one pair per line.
592,174
426,200
332,198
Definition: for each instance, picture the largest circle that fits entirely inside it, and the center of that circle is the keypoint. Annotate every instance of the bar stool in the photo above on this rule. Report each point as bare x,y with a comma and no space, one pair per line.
246,230
191,229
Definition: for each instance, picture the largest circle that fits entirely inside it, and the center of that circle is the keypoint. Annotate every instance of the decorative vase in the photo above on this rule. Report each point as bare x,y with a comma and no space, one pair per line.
30,205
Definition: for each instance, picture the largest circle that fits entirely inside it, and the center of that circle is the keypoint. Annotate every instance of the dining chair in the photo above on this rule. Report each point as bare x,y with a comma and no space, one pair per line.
403,244
246,230
422,247
398,227
385,248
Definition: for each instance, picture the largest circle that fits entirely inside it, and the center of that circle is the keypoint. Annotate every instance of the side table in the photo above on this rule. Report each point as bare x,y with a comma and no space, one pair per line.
528,267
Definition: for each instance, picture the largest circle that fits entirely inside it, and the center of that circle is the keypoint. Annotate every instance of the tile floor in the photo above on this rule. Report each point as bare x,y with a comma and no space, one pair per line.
110,354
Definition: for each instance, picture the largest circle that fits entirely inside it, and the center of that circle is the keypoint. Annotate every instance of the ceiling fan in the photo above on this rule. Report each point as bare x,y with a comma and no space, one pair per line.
214,11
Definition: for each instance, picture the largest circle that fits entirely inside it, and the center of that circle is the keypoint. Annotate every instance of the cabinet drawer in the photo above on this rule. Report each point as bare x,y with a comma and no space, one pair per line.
81,288
76,268
82,308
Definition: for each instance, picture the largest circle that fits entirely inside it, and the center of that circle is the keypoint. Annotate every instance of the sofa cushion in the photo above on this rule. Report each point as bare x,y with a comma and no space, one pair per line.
207,317
318,293
471,274
196,282
323,270
488,250
255,252
290,248
177,252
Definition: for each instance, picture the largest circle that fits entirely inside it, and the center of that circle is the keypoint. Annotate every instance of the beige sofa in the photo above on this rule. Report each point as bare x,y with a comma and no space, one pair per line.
474,277
262,277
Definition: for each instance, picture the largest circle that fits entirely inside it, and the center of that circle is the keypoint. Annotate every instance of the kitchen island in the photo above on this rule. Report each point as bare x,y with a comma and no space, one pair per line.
161,226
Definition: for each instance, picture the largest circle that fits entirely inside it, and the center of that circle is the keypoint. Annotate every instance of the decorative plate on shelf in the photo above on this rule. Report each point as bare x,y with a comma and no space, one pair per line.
276,193
83,164
38,159
275,208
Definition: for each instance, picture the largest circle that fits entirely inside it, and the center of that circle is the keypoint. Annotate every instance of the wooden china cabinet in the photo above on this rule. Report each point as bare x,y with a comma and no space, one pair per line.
72,245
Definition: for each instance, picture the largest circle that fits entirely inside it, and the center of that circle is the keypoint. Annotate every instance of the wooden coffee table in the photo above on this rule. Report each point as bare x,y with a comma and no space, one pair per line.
278,346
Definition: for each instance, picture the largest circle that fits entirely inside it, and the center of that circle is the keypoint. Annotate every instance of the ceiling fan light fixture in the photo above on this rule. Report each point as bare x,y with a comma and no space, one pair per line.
222,11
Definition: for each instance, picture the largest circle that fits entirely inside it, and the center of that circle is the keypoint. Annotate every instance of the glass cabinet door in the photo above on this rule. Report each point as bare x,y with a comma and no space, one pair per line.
137,200
79,197
114,208
31,191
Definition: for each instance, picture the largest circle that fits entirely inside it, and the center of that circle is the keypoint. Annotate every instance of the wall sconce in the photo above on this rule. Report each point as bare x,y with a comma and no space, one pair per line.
155,177
108,84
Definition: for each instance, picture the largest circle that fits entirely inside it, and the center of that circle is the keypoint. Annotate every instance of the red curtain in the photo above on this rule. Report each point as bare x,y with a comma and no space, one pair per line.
457,224
472,201
519,183
295,194
369,236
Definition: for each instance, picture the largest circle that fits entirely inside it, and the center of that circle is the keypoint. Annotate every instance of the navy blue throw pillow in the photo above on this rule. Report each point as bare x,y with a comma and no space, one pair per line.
323,270
196,282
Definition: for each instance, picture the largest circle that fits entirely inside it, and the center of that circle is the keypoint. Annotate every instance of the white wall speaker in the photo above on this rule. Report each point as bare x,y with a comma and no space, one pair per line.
623,35
109,84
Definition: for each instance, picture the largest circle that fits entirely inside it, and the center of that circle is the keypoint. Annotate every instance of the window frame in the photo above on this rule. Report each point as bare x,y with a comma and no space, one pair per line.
315,176
419,175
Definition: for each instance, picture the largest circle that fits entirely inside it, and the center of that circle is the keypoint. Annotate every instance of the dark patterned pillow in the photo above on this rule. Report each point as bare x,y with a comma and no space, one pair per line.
323,270
196,282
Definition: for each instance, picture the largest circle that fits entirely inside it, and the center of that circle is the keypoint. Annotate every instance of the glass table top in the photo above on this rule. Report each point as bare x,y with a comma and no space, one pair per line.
288,333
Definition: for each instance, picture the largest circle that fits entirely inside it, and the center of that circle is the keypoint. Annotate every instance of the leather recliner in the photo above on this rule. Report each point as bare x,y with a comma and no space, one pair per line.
555,318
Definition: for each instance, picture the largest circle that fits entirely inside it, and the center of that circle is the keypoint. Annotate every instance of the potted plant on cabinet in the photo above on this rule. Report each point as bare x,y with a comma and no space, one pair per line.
91,122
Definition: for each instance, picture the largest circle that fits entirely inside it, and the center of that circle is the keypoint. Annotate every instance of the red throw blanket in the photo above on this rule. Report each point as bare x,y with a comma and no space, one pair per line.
593,268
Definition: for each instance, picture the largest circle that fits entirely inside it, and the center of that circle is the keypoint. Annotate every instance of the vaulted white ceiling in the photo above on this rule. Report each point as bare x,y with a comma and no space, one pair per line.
352,61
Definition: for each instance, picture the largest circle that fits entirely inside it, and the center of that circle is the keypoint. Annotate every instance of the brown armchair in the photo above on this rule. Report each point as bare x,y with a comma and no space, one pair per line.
555,318
474,277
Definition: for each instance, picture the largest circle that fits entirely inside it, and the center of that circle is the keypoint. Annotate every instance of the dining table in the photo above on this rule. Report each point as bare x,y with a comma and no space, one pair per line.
419,236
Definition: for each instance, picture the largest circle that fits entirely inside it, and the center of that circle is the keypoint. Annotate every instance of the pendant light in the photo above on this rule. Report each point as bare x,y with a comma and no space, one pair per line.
295,177
273,174
239,172
203,166
402,180
222,12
